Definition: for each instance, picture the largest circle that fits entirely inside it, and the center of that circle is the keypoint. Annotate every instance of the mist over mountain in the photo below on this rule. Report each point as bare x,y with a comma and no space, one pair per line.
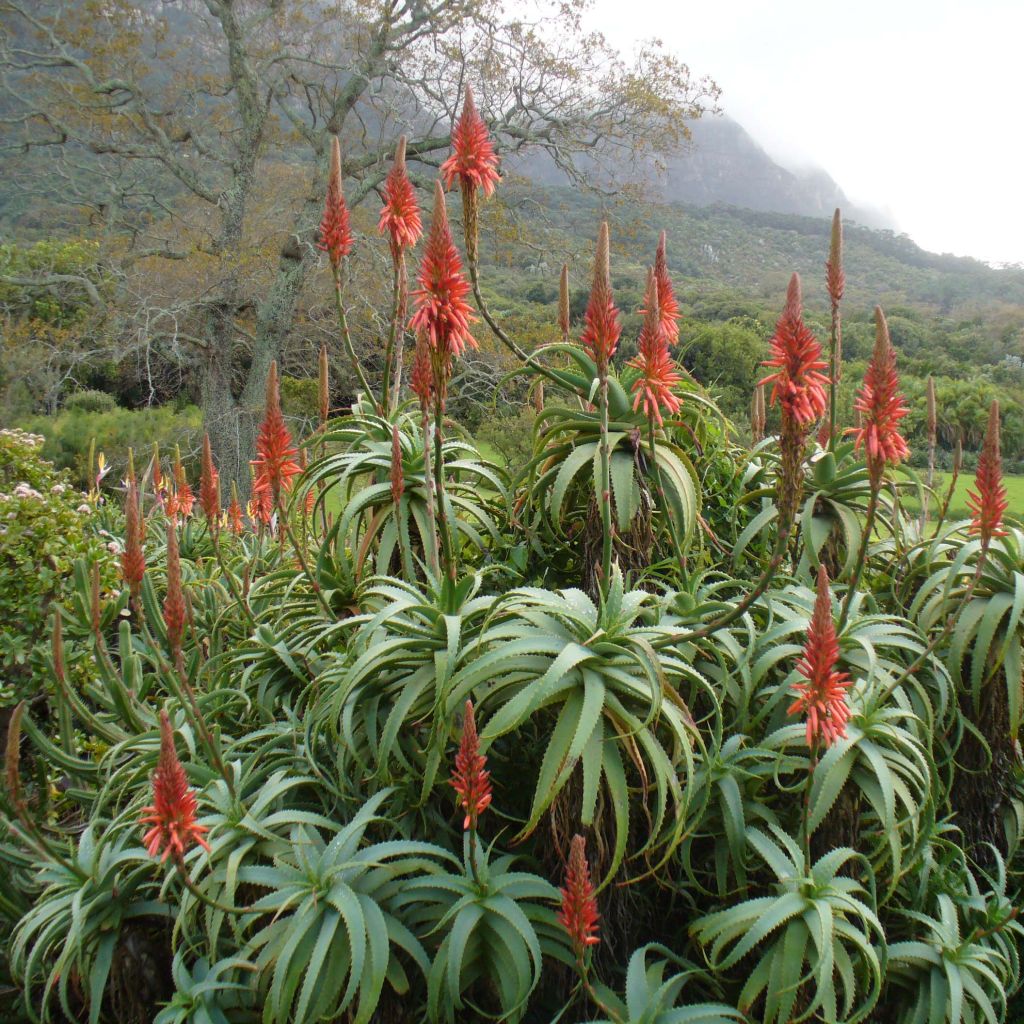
724,165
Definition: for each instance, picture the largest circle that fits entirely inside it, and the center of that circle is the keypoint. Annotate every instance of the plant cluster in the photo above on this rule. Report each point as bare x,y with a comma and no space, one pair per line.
657,728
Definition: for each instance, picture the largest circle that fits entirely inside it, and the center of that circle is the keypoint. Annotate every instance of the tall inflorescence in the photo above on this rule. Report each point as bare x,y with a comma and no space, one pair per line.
397,472
209,486
799,388
276,463
757,413
821,698
601,327
174,600
183,499
658,376
578,914
988,501
475,164
880,404
563,302
172,817
133,558
835,281
323,386
442,312
668,307
335,232
235,522
471,780
400,215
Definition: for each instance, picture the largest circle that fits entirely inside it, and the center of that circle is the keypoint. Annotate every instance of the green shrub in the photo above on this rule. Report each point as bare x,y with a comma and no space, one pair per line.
69,434
45,526
90,401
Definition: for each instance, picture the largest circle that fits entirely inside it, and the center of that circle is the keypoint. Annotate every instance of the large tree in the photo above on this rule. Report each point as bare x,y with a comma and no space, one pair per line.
195,133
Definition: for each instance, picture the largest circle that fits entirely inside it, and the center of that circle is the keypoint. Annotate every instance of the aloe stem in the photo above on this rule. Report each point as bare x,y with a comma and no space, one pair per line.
346,337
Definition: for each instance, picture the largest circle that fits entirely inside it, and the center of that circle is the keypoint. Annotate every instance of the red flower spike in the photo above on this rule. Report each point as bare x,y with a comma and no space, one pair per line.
471,780
174,601
880,404
184,499
235,522
579,916
335,233
601,327
442,311
397,476
835,279
989,501
400,217
275,464
658,375
133,559
473,160
563,302
822,698
172,816
797,384
209,484
667,305
421,378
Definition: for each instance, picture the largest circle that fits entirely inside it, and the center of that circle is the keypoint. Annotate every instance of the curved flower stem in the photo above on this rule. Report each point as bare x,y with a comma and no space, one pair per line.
300,554
811,766
433,561
584,973
734,613
944,511
605,497
834,373
186,880
346,337
858,568
389,399
447,541
659,483
500,334
239,597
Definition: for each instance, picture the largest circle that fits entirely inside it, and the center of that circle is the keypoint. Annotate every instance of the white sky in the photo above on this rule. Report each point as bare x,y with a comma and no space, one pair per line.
911,105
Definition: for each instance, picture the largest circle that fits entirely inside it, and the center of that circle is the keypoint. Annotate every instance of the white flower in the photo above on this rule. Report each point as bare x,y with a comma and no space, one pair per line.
83,508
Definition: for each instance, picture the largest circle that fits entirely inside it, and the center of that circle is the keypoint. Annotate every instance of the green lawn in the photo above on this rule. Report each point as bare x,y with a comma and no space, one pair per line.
958,508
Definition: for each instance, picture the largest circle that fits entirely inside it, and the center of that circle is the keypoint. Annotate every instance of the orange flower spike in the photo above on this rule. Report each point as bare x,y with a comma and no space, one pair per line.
397,473
563,302
209,484
174,601
797,383
822,697
442,311
275,464
601,327
335,233
184,499
473,160
421,378
880,404
989,502
667,305
235,522
578,915
658,375
172,815
471,780
400,216
133,559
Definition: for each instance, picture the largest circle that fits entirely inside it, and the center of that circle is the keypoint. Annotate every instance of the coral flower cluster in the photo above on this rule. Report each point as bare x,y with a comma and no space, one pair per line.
209,484
400,215
988,501
578,915
276,462
880,405
668,307
442,312
335,233
471,780
133,559
601,327
822,697
473,161
798,385
658,375
172,816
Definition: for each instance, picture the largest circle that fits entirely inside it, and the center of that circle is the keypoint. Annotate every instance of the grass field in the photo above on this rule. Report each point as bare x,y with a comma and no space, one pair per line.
958,508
